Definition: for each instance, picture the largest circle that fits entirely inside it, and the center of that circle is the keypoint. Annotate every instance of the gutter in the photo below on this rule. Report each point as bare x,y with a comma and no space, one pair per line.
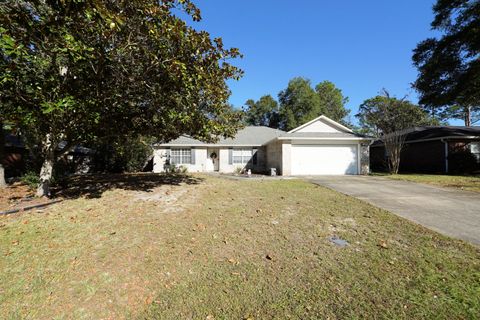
442,138
446,153
325,139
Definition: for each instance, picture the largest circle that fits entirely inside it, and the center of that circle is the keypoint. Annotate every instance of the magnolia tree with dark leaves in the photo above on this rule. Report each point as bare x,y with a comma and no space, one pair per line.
388,117
449,65
75,70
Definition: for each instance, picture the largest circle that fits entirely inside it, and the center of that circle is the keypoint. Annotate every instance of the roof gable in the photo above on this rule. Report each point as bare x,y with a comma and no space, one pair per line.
322,124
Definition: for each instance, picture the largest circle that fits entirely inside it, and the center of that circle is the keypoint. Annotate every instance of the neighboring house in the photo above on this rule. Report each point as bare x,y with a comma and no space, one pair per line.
14,155
444,149
79,160
321,146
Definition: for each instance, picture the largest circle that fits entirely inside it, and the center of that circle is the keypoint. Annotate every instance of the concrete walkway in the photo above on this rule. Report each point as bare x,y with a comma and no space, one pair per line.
451,212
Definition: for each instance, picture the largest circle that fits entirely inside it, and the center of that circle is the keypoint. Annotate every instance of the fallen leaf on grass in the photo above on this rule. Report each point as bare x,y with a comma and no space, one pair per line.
148,300
383,244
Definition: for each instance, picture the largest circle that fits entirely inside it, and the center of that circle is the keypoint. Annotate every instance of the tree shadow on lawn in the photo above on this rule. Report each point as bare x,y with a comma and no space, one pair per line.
93,186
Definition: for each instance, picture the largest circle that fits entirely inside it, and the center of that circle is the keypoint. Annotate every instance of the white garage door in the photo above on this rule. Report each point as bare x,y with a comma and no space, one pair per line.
324,159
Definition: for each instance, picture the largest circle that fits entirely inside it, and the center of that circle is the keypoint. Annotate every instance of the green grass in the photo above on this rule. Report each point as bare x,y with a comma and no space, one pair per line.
470,183
227,249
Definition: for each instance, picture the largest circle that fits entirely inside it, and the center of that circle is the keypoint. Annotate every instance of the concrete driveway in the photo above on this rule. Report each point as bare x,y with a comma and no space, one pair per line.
452,212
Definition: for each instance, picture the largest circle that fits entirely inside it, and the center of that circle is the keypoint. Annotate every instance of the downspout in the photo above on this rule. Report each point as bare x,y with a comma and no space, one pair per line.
446,154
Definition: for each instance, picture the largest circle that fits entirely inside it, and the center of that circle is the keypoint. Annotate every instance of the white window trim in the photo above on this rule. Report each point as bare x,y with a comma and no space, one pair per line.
181,156
246,155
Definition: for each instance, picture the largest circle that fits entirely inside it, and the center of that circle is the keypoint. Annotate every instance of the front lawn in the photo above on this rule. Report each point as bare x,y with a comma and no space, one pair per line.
213,248
470,183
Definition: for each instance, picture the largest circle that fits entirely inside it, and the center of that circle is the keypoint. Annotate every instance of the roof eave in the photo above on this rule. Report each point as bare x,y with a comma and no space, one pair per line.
325,138
209,145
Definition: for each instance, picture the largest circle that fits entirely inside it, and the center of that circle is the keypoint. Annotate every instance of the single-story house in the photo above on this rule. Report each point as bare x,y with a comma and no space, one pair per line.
434,149
319,147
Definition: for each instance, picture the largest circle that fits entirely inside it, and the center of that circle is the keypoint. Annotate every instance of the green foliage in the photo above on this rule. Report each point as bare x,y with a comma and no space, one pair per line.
238,170
121,154
176,169
76,70
31,179
332,100
384,114
263,112
449,66
299,103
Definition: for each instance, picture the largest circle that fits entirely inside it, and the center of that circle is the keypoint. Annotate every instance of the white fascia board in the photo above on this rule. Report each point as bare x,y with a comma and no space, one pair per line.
206,145
327,119
330,139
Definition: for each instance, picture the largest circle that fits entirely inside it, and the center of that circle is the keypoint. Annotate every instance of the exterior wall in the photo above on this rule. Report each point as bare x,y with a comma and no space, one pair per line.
201,157
364,158
428,156
160,156
461,159
420,157
319,126
259,167
286,159
274,156
378,159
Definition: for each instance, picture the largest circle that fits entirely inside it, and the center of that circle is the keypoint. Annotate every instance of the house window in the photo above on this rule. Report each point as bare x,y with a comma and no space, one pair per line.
474,148
242,156
180,156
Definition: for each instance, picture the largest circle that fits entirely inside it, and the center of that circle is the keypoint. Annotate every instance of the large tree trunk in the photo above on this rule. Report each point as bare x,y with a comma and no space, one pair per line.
468,116
2,156
46,173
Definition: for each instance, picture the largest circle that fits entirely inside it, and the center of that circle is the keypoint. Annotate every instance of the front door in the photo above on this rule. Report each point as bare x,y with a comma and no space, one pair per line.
213,157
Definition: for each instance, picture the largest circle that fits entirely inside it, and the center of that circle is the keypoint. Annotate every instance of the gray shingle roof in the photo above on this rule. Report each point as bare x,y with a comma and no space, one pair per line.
248,136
